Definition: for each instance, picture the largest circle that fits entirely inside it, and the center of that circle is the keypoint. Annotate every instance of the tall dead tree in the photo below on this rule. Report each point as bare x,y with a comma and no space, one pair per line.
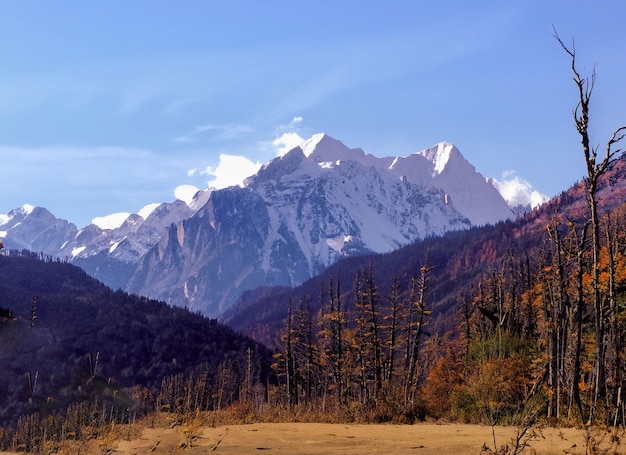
578,247
596,168
419,286
391,327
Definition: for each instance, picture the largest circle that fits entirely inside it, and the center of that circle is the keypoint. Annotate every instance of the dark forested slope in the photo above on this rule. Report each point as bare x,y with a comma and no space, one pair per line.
65,337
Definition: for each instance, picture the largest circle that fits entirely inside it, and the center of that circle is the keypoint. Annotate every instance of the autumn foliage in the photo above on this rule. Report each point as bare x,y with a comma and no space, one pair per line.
520,341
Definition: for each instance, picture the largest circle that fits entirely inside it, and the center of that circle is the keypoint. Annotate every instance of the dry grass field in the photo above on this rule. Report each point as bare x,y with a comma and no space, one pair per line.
336,439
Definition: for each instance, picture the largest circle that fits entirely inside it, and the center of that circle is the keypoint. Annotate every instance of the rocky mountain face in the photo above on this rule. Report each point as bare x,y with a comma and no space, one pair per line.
300,213
304,211
35,229
112,255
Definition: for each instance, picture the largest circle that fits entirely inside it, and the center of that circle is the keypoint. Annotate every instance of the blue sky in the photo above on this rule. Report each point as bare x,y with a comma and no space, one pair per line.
108,106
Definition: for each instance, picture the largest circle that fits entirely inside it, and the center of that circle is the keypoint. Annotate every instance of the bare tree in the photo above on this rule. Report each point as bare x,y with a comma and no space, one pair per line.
596,168
392,327
332,322
419,286
578,240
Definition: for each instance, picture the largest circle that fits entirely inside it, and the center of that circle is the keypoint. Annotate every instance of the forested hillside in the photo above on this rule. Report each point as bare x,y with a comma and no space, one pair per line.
499,324
488,325
65,338
457,261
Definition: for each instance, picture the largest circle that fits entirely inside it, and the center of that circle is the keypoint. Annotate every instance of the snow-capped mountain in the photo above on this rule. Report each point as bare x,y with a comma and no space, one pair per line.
35,229
307,209
110,255
300,213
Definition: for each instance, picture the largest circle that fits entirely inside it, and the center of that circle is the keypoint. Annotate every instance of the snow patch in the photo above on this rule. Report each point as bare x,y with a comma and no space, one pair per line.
78,250
329,164
115,245
3,234
338,243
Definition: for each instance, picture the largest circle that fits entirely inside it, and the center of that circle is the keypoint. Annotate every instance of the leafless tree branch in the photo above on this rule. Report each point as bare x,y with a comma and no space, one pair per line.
595,171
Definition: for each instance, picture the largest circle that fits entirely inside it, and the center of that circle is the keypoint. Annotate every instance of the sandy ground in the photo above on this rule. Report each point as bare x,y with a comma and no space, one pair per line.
337,439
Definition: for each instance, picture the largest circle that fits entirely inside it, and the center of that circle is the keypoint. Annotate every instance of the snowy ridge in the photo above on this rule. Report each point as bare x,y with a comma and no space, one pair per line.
300,213
305,210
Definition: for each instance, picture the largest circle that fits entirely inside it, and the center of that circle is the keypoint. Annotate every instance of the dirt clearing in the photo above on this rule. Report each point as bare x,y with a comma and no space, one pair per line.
317,438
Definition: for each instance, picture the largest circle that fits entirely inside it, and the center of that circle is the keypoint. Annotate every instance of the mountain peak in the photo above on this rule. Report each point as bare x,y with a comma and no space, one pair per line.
309,146
440,155
279,166
322,148
22,211
27,209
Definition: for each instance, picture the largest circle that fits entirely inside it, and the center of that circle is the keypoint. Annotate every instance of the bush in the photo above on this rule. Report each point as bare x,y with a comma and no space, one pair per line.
464,407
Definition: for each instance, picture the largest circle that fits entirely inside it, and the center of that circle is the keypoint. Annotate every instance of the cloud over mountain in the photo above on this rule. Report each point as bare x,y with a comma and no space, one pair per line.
518,192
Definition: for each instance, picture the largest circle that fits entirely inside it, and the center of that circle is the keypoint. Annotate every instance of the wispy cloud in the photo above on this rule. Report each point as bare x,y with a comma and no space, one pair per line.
223,132
317,87
293,124
286,137
186,138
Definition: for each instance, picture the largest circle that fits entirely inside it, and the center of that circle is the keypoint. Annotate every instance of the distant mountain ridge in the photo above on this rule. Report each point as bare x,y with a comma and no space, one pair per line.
299,214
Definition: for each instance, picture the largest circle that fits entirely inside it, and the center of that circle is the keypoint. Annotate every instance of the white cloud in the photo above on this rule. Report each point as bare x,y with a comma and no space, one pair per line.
287,142
231,170
517,191
111,221
296,120
185,193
